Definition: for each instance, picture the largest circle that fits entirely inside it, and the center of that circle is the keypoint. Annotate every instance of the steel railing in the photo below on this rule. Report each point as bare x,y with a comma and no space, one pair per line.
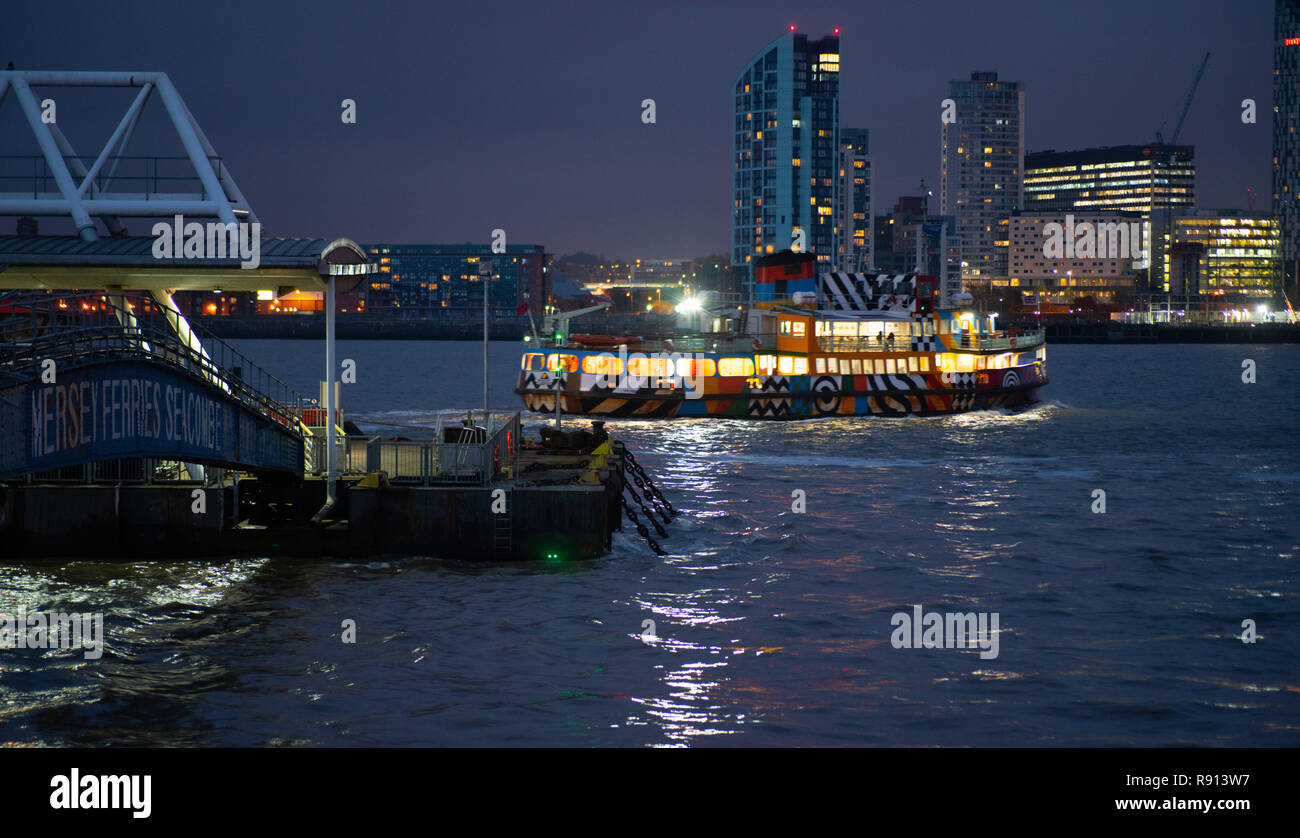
80,329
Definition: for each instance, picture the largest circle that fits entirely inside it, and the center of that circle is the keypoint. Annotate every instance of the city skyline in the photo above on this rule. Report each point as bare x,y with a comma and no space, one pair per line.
559,155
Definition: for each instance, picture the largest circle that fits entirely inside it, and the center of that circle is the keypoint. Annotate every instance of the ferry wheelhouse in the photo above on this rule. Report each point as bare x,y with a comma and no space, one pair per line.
831,345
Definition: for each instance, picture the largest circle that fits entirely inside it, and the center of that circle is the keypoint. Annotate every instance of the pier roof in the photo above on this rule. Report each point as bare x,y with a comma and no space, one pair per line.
128,262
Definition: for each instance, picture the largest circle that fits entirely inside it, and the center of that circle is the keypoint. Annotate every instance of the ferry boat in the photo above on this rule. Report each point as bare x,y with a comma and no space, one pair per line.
834,344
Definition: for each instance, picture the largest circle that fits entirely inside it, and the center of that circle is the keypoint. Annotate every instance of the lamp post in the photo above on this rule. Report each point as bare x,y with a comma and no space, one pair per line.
484,276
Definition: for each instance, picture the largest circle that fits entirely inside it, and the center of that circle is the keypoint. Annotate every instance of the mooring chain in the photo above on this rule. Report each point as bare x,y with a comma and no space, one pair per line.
648,514
650,497
640,527
637,470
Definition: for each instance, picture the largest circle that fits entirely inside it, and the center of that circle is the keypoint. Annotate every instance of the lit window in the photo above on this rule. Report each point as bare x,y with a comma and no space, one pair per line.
736,366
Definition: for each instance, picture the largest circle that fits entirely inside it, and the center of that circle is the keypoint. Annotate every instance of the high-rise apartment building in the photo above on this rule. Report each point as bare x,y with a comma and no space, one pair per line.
981,168
854,222
785,151
1286,135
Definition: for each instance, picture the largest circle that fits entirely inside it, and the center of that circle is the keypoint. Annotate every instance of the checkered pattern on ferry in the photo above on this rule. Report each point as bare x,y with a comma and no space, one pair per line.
926,343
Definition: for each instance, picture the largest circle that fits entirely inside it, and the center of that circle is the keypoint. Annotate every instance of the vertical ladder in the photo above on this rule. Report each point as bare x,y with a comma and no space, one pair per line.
503,531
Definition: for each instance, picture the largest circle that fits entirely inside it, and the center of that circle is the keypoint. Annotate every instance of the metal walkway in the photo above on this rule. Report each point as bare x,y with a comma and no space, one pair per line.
93,377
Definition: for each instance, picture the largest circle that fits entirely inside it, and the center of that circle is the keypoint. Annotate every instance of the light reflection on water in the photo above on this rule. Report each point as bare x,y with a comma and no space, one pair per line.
772,627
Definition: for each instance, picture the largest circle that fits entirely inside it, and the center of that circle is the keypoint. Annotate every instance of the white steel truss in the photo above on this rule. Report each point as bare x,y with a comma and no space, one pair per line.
86,194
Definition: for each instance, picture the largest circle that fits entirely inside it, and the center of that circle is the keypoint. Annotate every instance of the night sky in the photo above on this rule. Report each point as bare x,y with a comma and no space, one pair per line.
527,116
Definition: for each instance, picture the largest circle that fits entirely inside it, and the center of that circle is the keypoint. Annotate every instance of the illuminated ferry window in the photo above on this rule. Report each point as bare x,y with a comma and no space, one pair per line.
569,363
785,327
798,328
880,366
820,365
800,366
944,363
913,365
736,366
694,367
532,361
785,365
602,365
889,366
766,364
821,328
925,363
965,363
844,329
833,365
857,366
649,366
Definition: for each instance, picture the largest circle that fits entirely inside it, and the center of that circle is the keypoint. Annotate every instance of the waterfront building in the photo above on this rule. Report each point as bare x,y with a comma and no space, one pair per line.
1105,274
1239,252
1131,178
785,151
854,221
1286,135
446,280
1155,179
981,168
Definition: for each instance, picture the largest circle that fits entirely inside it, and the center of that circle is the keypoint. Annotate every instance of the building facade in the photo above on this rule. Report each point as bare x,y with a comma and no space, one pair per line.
1240,253
1096,261
1156,180
785,151
854,222
1130,178
981,168
447,280
1286,135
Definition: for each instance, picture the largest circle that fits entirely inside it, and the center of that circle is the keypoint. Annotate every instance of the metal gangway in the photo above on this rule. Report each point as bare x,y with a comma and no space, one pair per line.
88,338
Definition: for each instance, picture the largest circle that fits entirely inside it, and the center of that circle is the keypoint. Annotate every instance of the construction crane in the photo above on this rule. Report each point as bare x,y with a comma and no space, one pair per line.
1169,162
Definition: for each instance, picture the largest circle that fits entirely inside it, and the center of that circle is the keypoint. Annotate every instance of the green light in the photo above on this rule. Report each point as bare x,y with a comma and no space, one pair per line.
552,556
559,336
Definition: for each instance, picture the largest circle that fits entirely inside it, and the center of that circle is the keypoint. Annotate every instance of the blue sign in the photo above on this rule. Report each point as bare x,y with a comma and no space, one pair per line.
135,409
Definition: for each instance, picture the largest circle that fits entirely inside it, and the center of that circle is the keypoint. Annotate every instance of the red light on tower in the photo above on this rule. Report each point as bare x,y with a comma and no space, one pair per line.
792,27
837,30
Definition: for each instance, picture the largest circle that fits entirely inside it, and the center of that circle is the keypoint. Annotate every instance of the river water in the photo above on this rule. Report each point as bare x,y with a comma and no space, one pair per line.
770,626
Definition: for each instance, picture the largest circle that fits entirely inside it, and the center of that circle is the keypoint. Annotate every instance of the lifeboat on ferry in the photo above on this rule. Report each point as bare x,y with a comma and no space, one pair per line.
603,340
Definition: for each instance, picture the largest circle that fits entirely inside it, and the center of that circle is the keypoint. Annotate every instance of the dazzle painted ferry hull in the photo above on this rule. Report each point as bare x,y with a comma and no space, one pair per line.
790,397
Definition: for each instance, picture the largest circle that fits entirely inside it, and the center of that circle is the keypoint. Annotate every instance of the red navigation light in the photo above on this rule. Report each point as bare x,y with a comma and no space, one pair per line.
792,27
837,30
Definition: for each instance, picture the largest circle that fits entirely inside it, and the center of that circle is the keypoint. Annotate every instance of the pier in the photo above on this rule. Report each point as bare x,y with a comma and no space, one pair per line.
127,432
124,437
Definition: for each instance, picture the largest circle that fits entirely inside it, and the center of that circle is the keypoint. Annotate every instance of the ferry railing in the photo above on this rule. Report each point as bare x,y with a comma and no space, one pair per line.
978,343
1002,340
874,343
740,344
